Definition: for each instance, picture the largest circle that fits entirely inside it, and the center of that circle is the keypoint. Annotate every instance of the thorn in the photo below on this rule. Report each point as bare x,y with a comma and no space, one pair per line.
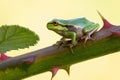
54,71
100,15
113,28
67,69
3,57
29,60
106,24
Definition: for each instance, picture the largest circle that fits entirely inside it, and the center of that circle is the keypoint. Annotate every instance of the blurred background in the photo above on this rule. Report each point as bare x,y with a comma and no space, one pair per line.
34,14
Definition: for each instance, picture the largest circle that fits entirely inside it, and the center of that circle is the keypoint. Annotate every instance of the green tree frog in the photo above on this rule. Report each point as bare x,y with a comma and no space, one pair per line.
73,29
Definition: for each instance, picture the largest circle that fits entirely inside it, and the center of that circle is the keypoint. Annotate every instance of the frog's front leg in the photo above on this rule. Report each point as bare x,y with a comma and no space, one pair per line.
71,35
60,43
73,42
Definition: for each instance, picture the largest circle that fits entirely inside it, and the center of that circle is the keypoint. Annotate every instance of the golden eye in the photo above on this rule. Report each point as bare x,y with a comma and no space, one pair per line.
55,23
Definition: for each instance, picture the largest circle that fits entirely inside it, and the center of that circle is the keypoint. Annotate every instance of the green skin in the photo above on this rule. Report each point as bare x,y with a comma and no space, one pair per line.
74,29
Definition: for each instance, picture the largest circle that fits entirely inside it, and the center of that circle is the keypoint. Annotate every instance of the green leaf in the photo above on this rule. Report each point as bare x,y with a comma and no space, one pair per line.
14,37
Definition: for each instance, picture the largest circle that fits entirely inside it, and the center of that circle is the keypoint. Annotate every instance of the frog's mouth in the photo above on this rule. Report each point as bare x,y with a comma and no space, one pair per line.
56,27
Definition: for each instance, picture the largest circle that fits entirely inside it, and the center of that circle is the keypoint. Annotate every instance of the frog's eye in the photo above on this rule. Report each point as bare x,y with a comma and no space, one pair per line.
55,23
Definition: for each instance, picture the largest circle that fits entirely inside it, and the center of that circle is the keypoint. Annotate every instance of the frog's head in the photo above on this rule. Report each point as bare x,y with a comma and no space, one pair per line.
56,25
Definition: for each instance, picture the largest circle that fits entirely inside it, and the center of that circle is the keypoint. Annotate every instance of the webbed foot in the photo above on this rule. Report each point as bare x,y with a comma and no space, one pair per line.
87,37
66,43
60,43
70,45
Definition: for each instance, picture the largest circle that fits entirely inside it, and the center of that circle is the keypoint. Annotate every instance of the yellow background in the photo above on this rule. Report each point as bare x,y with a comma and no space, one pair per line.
34,14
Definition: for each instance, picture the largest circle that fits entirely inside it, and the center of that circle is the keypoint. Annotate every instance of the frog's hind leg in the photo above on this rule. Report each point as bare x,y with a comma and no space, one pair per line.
88,35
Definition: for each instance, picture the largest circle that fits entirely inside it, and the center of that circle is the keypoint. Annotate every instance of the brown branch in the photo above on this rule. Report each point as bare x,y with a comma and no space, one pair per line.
38,54
48,57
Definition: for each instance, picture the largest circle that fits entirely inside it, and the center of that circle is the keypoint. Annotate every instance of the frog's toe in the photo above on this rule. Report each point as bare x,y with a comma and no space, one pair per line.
58,44
88,38
71,49
70,46
66,44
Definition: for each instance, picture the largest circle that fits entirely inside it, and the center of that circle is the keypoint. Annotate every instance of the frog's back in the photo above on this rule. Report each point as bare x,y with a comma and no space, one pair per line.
82,22
78,22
